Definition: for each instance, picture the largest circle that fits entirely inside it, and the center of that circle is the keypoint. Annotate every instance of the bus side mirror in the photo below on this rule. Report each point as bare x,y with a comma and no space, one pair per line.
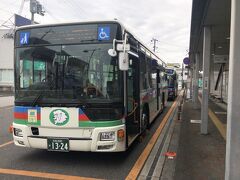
112,52
123,61
122,47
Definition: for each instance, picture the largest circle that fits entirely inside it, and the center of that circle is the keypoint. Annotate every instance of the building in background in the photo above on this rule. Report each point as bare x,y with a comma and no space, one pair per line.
6,60
7,51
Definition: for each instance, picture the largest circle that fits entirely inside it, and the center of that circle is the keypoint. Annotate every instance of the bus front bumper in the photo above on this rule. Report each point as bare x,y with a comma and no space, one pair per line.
80,139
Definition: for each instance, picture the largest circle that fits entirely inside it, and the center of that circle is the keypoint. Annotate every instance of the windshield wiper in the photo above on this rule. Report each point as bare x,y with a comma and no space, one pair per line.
37,98
50,30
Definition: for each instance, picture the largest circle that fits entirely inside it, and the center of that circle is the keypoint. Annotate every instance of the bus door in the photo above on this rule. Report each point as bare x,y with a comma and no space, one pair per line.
133,92
161,88
158,90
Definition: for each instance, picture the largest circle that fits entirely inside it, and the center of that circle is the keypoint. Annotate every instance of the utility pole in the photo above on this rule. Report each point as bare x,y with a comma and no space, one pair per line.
35,7
154,44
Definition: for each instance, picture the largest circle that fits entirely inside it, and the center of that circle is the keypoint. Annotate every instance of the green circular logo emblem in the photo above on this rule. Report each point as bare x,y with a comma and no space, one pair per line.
59,117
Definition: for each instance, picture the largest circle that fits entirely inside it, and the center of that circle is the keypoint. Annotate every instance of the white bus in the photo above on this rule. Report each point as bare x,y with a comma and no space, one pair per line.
88,86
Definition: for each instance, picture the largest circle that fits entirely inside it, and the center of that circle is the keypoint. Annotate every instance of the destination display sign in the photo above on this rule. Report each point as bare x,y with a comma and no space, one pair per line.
169,71
66,34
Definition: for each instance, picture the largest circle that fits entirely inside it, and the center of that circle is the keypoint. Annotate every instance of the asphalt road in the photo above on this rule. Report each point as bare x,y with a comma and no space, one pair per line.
6,118
84,164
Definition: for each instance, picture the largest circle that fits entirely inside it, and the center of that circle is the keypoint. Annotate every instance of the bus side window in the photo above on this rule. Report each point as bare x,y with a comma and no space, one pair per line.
154,75
149,72
153,79
143,81
165,77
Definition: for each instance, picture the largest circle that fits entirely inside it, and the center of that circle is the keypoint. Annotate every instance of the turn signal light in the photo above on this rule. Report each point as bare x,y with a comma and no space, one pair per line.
10,129
120,135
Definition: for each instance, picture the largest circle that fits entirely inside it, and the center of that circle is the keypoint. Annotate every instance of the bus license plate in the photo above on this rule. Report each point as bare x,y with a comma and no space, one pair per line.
58,145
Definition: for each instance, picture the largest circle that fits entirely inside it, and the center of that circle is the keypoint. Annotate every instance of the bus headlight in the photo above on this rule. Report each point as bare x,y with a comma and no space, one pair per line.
107,136
17,132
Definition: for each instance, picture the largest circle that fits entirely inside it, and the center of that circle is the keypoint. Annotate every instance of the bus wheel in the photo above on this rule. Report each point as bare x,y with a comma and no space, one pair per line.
145,120
162,107
163,100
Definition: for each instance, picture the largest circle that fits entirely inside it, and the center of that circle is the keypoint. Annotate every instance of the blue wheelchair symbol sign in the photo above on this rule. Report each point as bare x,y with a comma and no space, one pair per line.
24,38
103,33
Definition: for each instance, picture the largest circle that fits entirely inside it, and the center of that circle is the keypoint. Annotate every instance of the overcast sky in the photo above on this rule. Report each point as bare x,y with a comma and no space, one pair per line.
166,20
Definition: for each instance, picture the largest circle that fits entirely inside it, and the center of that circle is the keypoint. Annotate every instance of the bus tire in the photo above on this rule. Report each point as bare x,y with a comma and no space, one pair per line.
162,107
145,119
163,100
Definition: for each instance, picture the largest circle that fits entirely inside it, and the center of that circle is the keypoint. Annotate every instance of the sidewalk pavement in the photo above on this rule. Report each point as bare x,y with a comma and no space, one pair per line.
199,156
6,101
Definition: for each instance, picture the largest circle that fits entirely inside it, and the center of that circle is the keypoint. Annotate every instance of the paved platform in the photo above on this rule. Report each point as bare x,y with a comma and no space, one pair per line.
199,156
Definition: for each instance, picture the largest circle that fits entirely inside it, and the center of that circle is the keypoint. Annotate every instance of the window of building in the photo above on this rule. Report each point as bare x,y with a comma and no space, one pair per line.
6,76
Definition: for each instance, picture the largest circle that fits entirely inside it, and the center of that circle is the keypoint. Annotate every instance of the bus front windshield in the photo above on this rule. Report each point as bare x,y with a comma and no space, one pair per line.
66,74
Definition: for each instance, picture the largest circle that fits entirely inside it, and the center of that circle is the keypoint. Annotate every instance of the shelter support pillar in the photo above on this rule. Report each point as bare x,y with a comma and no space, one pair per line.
206,69
191,83
196,78
212,83
233,114
193,80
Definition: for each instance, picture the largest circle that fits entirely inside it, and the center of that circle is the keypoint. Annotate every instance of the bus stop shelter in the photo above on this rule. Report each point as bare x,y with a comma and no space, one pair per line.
214,43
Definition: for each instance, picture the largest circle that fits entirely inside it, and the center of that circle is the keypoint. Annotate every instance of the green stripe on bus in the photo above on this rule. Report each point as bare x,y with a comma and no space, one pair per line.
25,122
20,121
100,123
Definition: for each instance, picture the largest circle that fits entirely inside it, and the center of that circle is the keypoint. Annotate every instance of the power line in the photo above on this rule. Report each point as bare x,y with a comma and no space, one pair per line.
6,10
49,13
171,44
8,4
9,19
